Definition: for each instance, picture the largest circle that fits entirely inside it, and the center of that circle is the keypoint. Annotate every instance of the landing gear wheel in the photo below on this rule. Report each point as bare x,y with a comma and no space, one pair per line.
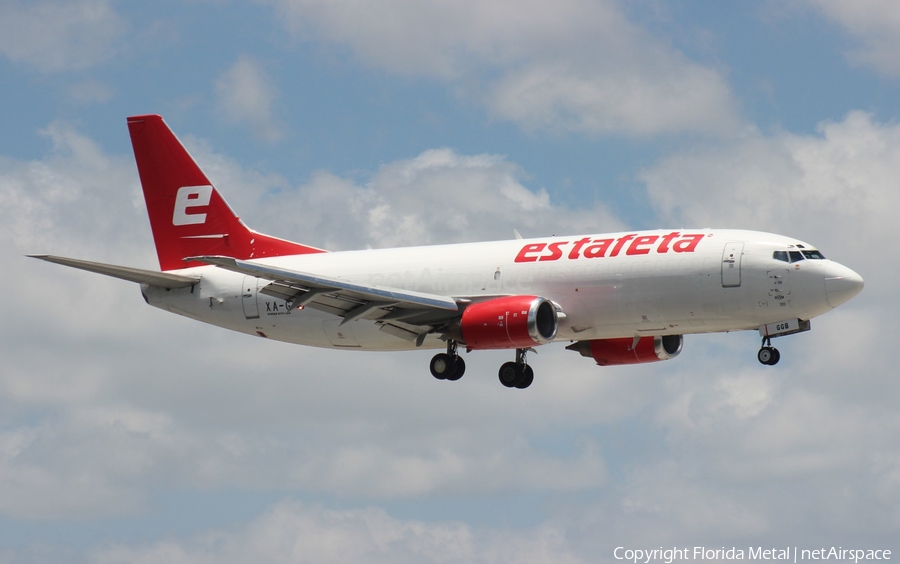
458,370
448,365
509,374
525,378
443,366
768,356
517,374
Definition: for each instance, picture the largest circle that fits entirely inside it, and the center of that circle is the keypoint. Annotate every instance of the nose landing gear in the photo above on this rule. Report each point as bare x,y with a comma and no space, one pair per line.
449,365
768,354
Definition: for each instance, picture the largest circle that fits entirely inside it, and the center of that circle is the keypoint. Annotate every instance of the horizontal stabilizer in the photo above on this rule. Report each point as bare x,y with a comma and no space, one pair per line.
152,277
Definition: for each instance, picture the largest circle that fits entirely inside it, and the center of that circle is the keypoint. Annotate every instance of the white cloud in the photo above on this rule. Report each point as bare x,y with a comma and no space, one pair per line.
45,203
676,97
573,65
106,404
245,94
294,532
59,35
875,24
441,196
836,189
436,197
664,491
747,395
823,423
52,472
118,429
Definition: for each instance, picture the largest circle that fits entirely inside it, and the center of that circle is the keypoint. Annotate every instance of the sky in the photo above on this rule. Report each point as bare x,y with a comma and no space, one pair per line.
131,435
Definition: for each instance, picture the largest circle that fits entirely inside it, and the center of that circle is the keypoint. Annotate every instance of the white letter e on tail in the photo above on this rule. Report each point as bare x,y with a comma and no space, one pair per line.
191,197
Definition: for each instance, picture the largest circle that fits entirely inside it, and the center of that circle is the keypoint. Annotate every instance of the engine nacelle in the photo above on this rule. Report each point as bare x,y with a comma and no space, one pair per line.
513,322
608,352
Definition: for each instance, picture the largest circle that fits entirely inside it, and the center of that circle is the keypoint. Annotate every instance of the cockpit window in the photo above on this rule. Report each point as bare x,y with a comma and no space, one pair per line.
797,256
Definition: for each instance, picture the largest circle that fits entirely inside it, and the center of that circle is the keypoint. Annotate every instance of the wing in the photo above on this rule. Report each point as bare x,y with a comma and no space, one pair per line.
141,276
402,313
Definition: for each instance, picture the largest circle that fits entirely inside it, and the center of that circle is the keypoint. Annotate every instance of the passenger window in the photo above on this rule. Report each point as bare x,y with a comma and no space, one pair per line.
780,255
796,256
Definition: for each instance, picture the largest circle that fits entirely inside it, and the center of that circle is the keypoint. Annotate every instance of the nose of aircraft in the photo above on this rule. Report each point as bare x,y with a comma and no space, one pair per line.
841,284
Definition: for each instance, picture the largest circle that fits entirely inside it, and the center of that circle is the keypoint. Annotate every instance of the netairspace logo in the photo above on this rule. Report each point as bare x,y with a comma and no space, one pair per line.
670,555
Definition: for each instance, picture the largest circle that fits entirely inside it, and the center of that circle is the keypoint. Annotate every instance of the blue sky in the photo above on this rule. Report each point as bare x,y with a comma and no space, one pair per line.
130,435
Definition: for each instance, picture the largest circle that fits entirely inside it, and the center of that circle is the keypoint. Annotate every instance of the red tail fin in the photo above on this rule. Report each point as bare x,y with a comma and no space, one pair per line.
187,215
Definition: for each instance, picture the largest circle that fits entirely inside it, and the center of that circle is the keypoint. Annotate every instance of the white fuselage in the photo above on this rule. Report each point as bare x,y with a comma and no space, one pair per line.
727,280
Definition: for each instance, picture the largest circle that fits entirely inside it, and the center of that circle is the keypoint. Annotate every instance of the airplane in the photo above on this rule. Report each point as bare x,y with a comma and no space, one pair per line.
618,298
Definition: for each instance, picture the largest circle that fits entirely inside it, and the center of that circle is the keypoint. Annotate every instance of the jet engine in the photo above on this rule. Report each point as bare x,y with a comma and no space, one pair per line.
627,350
512,322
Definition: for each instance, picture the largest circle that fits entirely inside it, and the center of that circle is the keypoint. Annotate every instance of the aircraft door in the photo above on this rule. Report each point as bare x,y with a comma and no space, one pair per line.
731,265
248,297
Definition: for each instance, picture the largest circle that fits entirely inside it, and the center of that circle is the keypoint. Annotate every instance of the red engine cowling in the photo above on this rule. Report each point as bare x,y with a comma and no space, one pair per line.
512,322
608,352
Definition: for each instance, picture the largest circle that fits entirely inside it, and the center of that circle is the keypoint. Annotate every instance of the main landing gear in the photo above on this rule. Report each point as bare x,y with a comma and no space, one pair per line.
449,365
768,354
517,374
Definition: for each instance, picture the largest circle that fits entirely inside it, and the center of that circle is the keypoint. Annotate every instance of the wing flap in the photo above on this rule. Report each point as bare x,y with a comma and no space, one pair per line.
139,275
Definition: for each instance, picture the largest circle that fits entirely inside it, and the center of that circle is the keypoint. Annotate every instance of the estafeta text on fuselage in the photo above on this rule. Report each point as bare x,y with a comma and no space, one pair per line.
632,243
